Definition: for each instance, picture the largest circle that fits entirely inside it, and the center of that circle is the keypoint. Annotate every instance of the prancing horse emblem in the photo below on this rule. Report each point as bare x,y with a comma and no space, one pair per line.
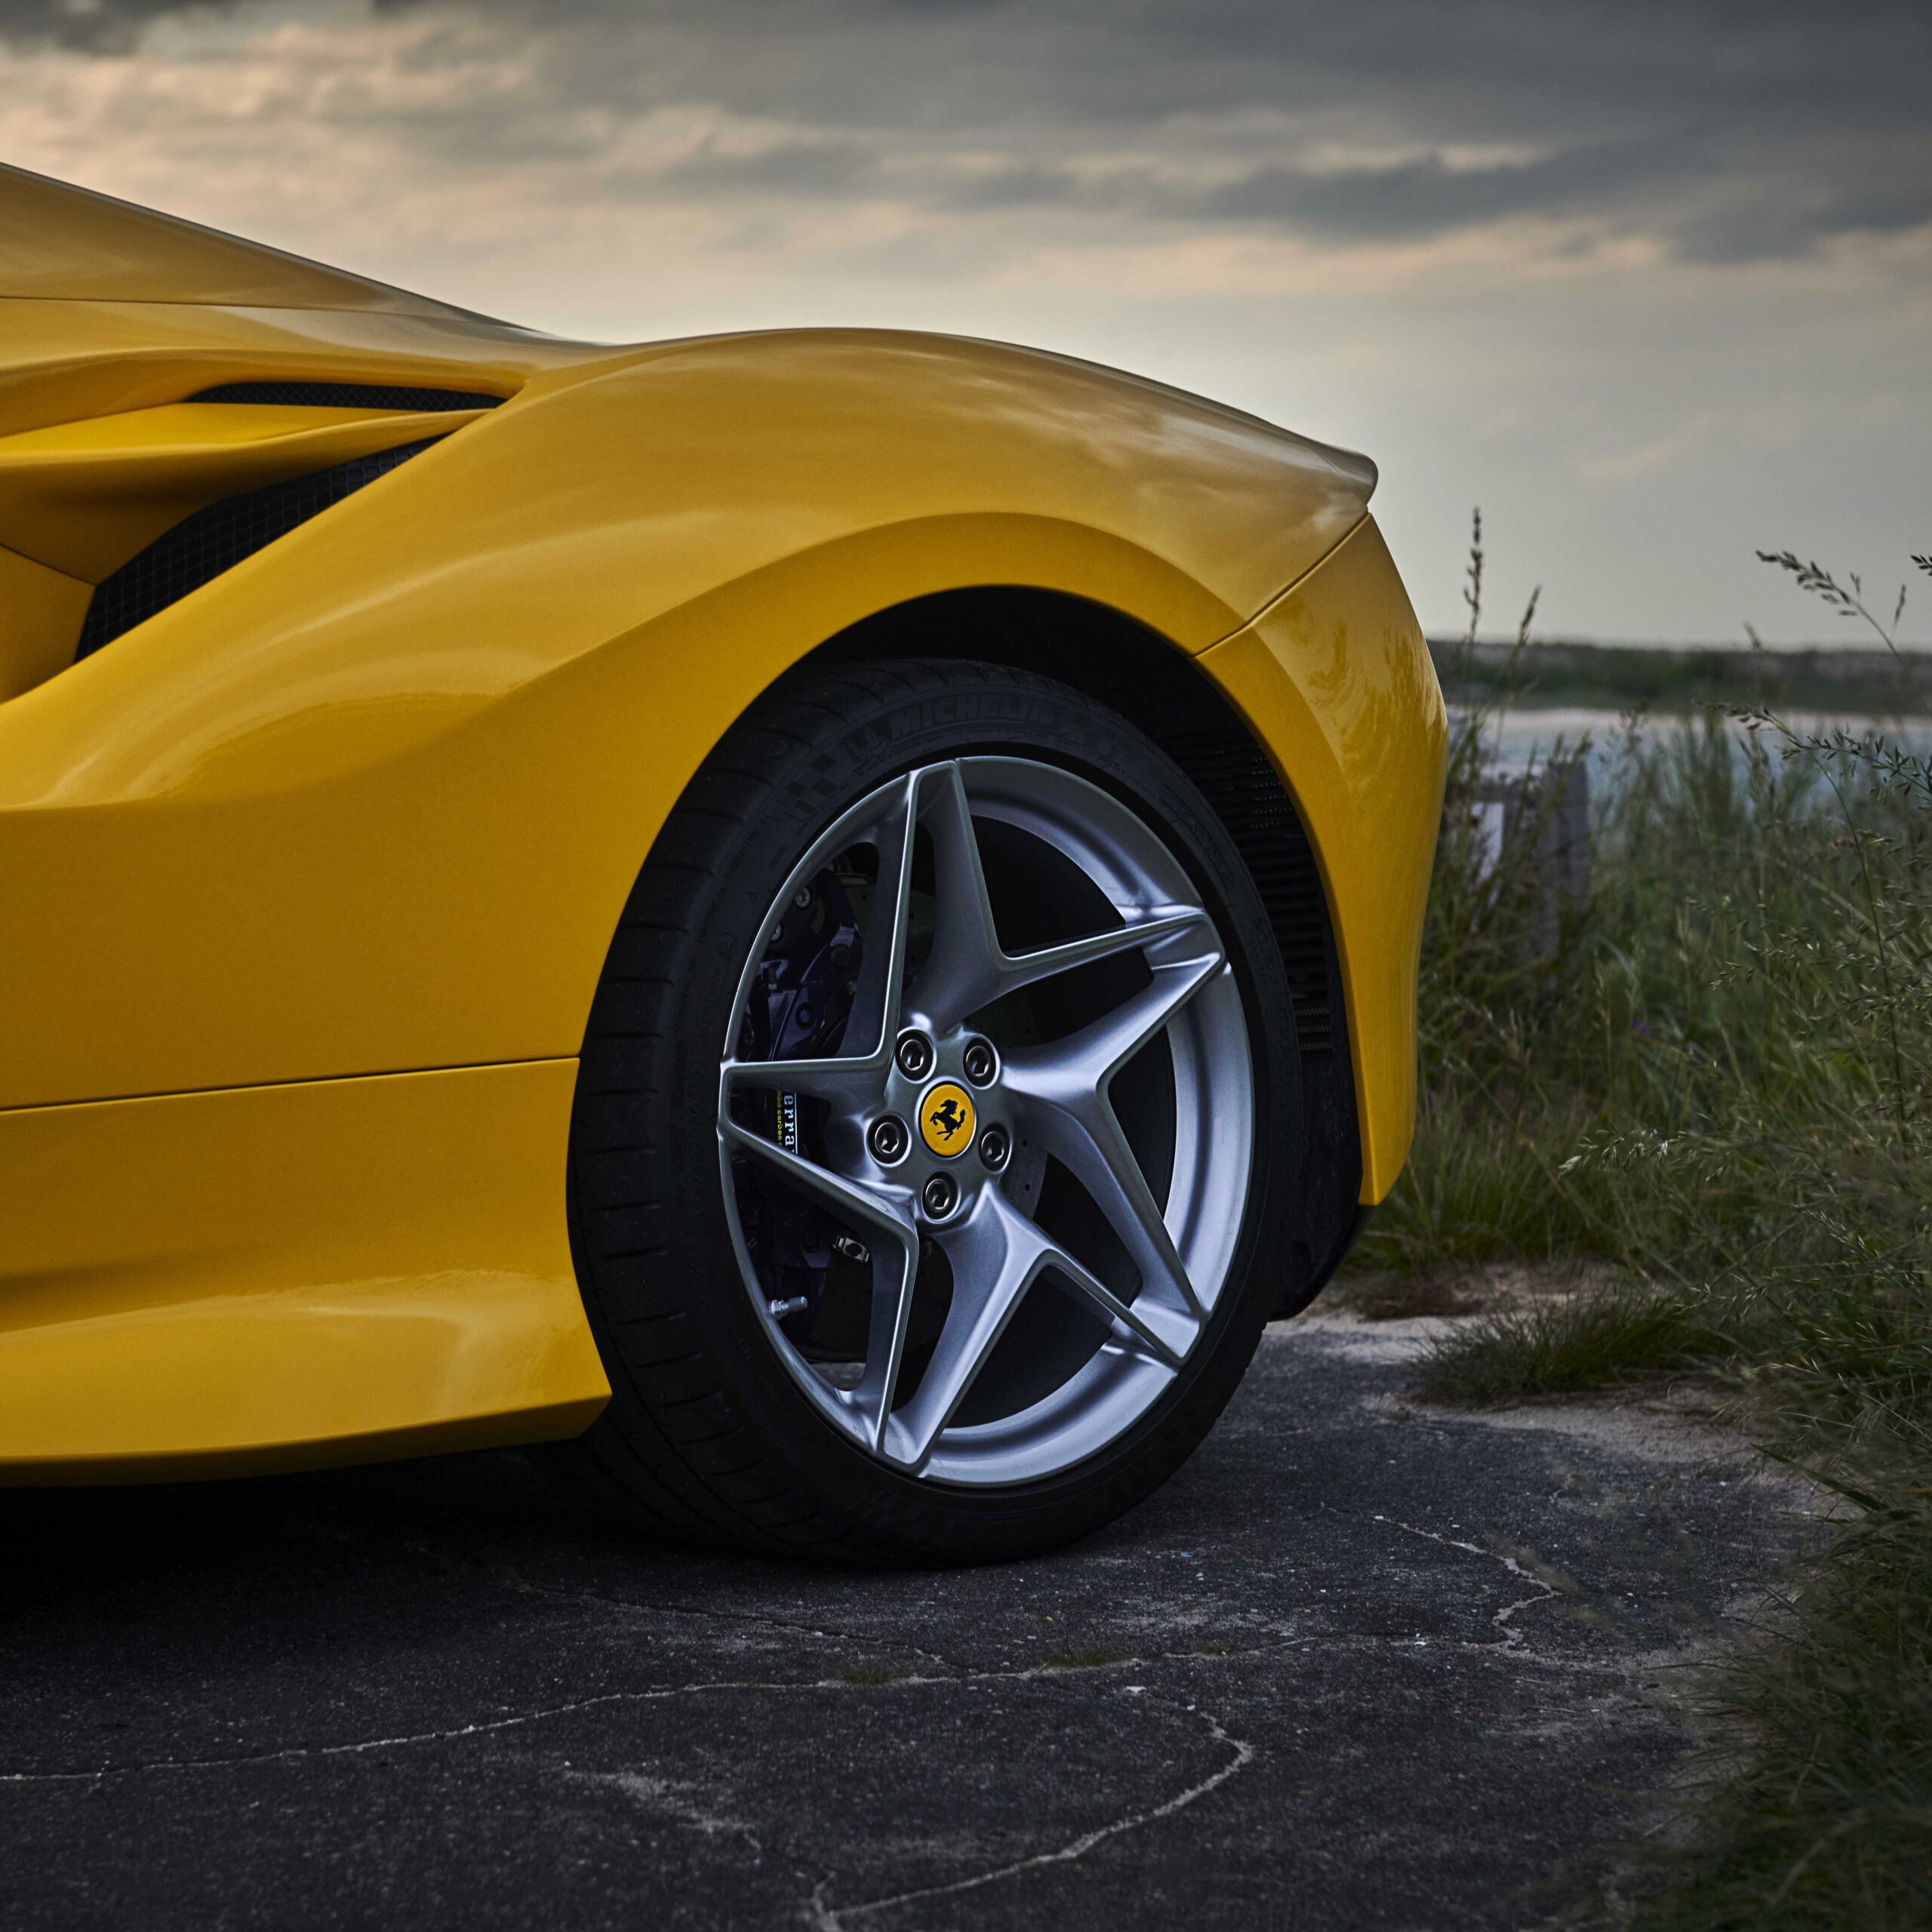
945,1118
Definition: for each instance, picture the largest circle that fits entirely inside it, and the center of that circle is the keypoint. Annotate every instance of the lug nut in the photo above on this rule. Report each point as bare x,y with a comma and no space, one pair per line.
995,1147
915,1055
980,1062
888,1139
940,1195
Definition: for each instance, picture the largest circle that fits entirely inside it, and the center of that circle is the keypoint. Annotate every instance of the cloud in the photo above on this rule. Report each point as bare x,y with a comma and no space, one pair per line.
787,166
1429,195
1614,468
1593,262
100,25
1721,134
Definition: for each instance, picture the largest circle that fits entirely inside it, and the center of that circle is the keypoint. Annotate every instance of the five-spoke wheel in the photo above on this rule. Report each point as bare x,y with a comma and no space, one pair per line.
933,1155
902,1125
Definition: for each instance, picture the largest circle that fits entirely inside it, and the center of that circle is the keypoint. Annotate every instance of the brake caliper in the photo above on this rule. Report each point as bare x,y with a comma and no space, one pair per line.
800,998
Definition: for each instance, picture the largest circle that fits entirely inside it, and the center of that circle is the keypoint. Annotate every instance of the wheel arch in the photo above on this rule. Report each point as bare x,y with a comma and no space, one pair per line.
1120,661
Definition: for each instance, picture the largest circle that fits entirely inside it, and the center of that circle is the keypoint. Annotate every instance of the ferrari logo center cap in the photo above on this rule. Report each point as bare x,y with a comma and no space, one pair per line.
945,1118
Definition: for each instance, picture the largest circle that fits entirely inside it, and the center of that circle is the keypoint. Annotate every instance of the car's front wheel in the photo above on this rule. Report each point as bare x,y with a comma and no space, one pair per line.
934,1146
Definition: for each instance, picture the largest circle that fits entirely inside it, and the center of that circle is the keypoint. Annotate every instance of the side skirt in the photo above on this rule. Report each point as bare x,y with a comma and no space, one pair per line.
273,1278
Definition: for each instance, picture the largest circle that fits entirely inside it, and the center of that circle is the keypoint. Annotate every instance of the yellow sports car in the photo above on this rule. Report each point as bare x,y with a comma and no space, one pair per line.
826,922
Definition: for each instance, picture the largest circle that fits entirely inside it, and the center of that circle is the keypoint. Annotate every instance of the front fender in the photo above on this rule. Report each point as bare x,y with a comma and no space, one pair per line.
371,801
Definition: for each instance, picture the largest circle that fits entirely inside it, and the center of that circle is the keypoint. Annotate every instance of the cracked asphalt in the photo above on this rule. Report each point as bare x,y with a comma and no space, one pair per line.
1359,1664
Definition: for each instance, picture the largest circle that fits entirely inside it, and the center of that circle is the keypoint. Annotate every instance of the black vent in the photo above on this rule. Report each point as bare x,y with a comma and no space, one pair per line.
1236,779
201,547
346,395
1234,776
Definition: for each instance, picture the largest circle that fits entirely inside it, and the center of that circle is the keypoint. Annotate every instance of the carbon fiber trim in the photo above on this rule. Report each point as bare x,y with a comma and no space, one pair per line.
202,546
346,396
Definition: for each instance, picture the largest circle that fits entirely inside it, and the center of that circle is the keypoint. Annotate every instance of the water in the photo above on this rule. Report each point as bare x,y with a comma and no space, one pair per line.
1524,736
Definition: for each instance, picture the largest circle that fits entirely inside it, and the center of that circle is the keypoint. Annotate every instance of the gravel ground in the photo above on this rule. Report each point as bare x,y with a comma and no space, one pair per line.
1359,1664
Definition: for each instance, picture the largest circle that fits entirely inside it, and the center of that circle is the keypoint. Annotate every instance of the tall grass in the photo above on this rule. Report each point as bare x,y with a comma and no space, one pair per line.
1742,1009
1718,1076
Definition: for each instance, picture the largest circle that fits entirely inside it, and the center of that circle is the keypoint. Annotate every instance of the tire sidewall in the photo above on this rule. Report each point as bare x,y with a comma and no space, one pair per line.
942,711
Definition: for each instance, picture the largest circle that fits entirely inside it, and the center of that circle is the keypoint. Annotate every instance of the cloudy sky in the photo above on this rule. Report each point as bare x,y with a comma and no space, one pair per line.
1649,280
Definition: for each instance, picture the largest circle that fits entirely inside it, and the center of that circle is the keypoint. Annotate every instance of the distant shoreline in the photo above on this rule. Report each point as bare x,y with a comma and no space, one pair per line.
1620,677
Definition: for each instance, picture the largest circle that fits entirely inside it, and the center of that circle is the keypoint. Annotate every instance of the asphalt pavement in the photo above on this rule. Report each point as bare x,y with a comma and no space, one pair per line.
1361,1664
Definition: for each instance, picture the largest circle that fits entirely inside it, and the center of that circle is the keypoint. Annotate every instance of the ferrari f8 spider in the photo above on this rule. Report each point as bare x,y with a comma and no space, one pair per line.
822,923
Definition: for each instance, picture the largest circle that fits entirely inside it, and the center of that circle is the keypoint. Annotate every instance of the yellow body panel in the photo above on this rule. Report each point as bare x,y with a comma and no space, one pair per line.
40,615
82,497
61,361
289,1274
1335,678
305,882
56,240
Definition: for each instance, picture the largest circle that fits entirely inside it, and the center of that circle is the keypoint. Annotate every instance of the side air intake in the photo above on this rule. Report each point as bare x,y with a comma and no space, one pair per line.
201,547
346,396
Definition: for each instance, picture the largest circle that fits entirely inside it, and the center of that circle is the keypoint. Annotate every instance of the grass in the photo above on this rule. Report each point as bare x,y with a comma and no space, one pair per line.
1714,1079
874,1673
1823,1819
1082,1656
1590,1342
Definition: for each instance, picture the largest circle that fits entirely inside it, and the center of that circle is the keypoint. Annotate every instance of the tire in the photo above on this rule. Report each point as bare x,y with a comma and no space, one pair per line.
743,1246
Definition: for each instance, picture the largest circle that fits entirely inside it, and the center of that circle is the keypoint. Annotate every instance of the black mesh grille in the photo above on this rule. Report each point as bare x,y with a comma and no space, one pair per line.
214,540
1238,782
346,395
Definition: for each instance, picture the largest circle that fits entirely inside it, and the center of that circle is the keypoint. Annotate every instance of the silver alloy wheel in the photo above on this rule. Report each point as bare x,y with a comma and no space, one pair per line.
1040,1102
